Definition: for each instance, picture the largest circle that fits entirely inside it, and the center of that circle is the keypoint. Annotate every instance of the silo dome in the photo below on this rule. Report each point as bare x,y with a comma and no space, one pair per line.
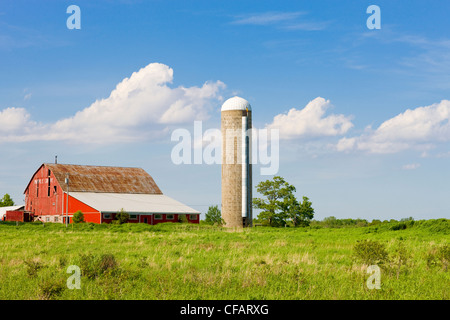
236,103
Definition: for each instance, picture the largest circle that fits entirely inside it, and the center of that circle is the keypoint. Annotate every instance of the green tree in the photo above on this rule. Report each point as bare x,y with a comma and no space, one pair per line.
78,217
122,216
306,212
299,213
290,209
214,216
279,202
6,201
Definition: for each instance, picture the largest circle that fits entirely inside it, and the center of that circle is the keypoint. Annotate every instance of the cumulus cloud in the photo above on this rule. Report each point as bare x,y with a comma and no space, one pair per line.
141,106
311,121
13,119
418,129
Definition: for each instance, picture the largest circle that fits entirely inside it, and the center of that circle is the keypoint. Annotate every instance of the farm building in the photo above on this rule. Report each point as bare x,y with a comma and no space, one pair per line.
59,190
10,210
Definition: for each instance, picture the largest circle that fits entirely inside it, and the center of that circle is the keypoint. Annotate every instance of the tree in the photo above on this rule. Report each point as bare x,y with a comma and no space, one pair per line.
299,213
6,201
291,208
122,216
214,216
306,212
78,217
279,201
280,204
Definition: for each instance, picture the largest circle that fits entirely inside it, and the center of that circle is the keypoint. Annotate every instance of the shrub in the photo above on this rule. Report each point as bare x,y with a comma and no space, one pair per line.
444,256
62,262
370,252
107,263
399,226
93,266
78,217
122,216
400,257
51,289
439,256
403,224
33,267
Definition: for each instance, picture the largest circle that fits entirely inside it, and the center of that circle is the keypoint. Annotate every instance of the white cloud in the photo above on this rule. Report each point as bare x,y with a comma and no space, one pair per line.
420,129
308,26
266,18
411,166
12,120
311,121
283,20
141,106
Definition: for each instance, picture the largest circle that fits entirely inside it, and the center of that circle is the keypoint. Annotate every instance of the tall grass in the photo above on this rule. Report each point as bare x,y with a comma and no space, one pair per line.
181,261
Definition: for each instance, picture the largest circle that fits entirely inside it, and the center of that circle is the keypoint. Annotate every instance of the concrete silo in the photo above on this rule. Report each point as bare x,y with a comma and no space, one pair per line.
236,123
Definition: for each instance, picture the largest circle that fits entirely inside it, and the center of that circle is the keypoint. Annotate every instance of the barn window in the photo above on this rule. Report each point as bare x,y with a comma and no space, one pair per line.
192,217
56,219
158,216
37,188
106,216
47,219
48,189
169,217
133,216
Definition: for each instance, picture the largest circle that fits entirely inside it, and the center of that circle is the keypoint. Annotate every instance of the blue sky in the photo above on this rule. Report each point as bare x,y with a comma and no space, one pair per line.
363,114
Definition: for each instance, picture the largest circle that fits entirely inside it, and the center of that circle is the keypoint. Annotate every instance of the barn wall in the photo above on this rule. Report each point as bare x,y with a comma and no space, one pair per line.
39,201
44,203
151,219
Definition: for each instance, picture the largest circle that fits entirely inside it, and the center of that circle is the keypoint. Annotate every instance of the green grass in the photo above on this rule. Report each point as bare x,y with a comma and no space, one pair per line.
180,261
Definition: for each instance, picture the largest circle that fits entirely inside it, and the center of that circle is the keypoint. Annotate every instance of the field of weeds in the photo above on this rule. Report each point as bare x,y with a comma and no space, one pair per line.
188,262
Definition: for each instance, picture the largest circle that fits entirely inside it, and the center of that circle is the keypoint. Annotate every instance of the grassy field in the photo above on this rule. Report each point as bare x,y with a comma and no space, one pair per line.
180,261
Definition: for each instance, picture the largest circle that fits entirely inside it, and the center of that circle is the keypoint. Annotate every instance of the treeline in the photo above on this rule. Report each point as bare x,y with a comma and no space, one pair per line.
333,222
433,225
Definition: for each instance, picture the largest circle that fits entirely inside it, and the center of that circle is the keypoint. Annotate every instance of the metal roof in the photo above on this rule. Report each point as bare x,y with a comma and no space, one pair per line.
104,179
132,203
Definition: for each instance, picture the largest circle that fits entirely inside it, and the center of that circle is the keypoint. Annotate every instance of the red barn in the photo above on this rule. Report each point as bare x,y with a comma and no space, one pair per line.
56,190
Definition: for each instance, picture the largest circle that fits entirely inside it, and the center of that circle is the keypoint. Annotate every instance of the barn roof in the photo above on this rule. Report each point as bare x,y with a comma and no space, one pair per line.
133,203
102,179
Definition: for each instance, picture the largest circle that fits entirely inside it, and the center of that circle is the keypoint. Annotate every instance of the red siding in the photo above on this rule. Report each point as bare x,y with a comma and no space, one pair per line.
90,214
17,216
44,203
38,201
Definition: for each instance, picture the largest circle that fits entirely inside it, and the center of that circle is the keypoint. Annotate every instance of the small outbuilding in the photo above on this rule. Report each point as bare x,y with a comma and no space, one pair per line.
12,211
